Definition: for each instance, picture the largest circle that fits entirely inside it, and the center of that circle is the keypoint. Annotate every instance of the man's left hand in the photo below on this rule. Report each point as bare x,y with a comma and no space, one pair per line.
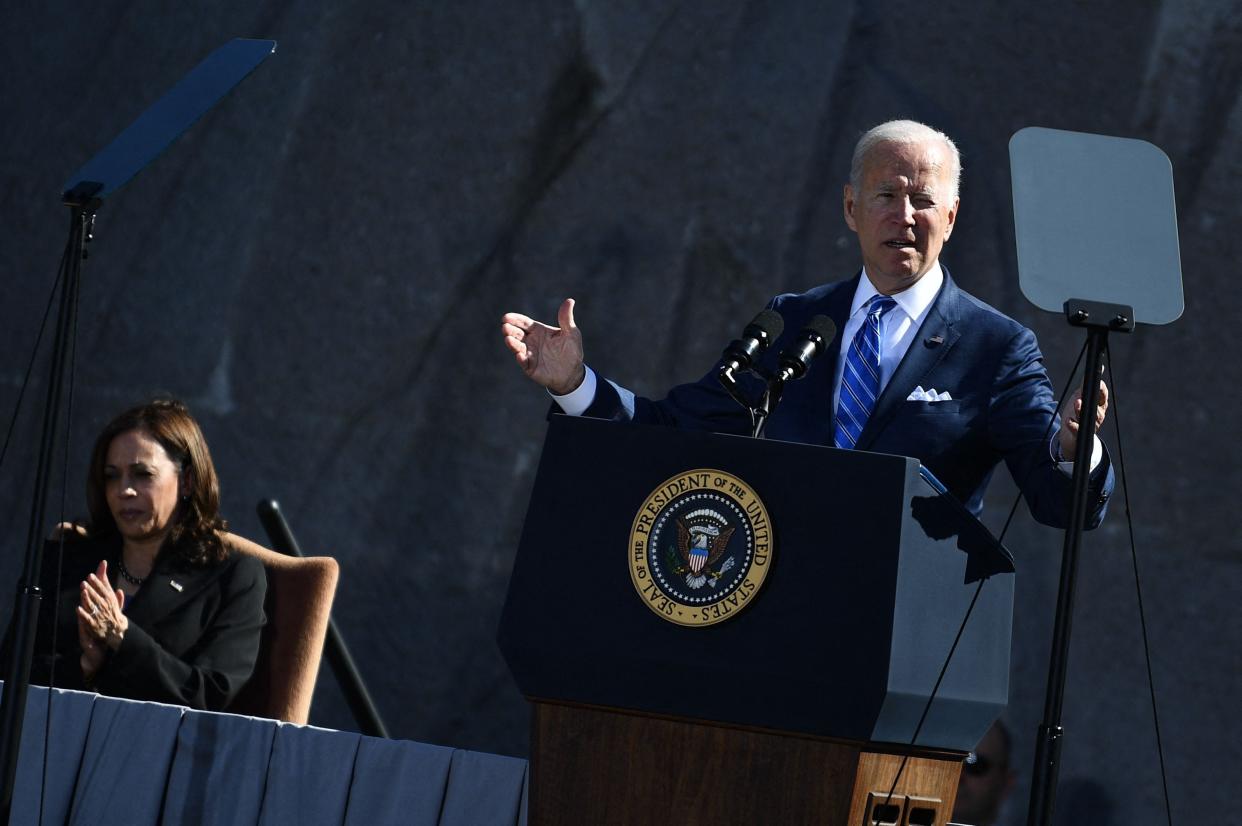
1071,414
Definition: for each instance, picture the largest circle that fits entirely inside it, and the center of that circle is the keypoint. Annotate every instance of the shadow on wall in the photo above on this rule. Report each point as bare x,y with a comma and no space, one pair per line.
1081,801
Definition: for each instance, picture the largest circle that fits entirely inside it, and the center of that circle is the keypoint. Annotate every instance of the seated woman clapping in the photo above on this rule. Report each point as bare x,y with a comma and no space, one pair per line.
153,605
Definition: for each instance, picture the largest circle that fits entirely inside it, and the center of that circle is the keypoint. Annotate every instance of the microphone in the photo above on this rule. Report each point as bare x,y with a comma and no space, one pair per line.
742,353
812,340
757,337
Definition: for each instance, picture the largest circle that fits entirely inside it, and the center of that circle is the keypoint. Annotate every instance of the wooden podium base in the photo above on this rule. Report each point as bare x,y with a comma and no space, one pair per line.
604,766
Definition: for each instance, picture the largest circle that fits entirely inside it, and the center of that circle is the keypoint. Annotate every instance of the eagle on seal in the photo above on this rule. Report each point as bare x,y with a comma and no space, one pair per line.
701,546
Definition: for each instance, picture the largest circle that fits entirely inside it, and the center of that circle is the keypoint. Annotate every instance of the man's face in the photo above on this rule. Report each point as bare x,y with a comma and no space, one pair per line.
903,212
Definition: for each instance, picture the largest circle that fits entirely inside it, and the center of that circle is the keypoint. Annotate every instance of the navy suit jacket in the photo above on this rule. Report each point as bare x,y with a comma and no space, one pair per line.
1002,405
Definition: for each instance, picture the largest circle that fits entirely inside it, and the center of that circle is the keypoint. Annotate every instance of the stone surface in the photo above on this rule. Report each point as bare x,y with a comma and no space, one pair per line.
319,266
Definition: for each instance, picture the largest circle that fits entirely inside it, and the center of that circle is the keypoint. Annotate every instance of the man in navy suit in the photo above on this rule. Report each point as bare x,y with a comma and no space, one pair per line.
961,386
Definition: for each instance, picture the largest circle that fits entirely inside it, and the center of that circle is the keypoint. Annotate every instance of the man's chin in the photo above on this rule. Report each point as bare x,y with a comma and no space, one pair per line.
894,279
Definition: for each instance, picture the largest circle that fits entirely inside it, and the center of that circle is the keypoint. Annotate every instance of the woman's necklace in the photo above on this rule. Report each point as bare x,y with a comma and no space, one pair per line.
136,581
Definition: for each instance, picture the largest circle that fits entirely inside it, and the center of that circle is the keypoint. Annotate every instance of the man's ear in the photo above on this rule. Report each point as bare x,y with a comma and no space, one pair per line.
948,230
848,204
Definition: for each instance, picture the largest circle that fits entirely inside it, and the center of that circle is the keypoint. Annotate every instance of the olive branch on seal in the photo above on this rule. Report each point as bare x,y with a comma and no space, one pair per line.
672,561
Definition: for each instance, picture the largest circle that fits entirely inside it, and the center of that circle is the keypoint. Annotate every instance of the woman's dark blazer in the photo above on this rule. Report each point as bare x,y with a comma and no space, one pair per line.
193,631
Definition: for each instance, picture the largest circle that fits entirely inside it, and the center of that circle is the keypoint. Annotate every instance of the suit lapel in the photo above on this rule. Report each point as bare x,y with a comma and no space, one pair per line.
932,342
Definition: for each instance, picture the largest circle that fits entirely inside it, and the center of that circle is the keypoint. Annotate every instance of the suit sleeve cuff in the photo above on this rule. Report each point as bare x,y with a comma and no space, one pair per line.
575,402
1067,467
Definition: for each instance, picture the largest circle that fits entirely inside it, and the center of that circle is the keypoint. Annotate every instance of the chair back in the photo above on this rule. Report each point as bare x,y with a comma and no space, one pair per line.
298,606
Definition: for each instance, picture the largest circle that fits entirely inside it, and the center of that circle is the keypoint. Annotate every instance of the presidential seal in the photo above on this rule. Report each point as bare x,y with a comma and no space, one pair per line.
700,547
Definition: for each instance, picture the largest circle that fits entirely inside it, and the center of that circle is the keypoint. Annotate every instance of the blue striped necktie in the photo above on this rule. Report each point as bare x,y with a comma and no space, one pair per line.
860,380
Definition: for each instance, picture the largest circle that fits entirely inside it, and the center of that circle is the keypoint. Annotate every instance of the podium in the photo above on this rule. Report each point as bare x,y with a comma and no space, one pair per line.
802,704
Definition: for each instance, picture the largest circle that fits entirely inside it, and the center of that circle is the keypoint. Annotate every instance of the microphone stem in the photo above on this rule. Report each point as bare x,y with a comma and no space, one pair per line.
771,398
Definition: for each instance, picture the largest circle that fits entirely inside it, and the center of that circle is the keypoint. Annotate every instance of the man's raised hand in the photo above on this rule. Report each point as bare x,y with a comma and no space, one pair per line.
550,356
1071,414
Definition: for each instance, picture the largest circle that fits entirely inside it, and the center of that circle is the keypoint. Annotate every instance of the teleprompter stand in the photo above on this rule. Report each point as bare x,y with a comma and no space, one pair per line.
799,708
1098,319
82,205
1105,269
115,165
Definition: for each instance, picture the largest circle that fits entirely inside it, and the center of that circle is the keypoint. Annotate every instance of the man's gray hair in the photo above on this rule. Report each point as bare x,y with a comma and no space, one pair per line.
902,131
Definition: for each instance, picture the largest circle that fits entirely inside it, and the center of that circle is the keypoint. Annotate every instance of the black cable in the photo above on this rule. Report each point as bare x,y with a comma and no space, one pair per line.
34,353
935,689
970,609
1138,587
71,280
67,278
1047,435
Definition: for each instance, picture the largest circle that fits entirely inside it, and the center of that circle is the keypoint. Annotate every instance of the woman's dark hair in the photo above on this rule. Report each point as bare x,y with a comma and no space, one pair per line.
193,536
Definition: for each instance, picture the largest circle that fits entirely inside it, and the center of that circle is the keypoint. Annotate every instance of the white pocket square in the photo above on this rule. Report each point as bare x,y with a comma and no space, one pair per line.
921,395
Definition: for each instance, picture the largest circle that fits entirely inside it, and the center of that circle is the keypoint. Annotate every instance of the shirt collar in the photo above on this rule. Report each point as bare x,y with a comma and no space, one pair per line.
914,301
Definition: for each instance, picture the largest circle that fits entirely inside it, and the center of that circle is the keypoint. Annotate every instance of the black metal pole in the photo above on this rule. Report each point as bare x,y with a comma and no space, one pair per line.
26,609
343,666
1050,737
